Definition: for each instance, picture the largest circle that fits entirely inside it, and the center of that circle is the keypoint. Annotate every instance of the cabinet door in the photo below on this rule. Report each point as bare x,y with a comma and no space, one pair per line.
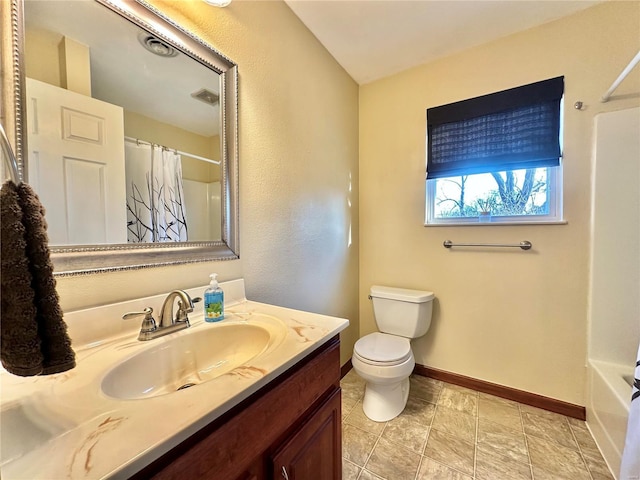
257,471
314,451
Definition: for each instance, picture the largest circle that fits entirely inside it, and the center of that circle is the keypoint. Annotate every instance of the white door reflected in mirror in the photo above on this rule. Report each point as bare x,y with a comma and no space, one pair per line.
69,151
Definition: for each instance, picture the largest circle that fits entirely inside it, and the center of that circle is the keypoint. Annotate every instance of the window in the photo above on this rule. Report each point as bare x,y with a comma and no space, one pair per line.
496,158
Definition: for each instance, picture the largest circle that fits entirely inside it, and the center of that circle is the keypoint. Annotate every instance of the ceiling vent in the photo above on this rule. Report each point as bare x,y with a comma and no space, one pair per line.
206,96
156,46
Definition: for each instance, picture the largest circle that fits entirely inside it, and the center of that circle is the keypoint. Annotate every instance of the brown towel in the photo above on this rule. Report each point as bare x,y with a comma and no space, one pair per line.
19,341
56,344
34,335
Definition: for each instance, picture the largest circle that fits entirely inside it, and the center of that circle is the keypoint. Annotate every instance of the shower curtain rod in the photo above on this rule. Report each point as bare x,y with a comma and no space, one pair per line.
198,157
621,77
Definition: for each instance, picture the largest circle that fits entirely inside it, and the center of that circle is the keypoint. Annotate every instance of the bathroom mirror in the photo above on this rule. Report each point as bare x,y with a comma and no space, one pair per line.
125,124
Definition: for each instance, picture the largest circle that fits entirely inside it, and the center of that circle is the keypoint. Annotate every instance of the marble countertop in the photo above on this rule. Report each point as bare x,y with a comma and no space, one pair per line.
64,426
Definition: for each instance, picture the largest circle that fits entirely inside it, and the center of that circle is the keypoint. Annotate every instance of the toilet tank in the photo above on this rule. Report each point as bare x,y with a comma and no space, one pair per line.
403,312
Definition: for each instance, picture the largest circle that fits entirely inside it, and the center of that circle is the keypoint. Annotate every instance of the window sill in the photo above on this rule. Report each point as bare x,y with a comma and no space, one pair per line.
495,224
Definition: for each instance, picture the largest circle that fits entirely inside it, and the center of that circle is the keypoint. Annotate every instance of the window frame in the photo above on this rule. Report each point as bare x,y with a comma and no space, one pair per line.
554,189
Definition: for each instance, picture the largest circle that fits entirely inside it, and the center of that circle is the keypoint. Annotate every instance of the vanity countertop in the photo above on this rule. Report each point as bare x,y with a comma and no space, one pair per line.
63,426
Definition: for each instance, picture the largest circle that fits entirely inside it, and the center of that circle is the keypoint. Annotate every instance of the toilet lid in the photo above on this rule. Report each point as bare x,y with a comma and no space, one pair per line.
382,348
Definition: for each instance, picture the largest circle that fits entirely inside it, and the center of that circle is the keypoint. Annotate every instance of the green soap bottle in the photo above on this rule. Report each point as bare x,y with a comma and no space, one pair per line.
213,301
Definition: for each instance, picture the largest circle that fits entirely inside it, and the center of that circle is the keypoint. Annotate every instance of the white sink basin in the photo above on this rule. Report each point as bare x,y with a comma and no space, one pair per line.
186,360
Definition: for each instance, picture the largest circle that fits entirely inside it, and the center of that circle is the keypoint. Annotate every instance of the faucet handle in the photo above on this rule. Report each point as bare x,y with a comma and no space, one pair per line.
181,314
148,323
184,309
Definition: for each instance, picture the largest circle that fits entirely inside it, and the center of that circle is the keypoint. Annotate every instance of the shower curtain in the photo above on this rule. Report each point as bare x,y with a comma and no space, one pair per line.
155,197
630,466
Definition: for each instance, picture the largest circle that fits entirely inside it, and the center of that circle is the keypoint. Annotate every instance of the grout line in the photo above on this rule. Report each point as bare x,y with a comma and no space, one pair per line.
604,460
371,453
526,438
582,455
355,465
526,444
417,475
475,442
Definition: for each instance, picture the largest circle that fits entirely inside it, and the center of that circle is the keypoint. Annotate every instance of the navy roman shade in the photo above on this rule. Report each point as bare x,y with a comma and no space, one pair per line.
509,130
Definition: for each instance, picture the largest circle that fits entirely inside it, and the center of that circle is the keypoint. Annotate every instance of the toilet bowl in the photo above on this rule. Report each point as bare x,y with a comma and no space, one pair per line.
384,359
385,363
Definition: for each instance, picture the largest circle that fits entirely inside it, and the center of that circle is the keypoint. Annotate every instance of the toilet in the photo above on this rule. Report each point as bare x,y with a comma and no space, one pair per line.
384,359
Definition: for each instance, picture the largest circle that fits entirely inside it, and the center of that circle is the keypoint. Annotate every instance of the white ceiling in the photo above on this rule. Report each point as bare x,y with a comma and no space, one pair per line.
372,39
124,73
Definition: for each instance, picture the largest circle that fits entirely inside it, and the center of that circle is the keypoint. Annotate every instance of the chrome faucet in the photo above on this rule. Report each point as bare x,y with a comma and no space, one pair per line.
167,323
185,306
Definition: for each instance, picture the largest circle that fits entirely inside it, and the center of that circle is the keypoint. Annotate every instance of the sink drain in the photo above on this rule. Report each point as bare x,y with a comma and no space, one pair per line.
186,385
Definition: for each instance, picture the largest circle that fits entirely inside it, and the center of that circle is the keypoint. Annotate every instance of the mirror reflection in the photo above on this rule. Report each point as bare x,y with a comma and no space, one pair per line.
123,130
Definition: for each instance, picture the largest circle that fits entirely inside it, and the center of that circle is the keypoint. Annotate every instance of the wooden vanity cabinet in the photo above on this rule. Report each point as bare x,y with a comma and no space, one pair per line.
313,452
294,423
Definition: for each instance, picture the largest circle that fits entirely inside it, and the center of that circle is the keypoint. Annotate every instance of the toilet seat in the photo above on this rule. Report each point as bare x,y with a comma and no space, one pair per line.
382,349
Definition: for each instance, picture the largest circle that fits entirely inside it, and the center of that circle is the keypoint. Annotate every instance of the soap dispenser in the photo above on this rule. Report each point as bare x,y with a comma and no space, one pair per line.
213,301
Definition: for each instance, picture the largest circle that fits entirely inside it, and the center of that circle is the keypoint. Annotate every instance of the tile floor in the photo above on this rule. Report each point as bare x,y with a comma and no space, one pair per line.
448,432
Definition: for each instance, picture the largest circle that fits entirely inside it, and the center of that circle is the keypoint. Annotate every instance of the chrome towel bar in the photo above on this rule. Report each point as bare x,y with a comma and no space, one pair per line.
524,245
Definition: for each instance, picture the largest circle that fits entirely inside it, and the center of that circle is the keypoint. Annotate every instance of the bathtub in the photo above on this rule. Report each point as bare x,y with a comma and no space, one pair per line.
608,404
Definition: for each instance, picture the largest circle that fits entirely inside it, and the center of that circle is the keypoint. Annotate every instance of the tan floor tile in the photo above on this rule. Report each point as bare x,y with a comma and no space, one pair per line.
405,431
493,398
367,475
502,441
352,386
459,388
457,400
352,378
456,423
347,405
357,418
579,424
541,474
598,468
492,466
451,451
432,470
425,388
549,428
514,440
541,412
392,461
419,410
585,441
352,395
553,461
500,413
350,471
357,444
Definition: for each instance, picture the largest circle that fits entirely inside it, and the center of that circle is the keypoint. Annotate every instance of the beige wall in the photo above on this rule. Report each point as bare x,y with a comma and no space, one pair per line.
151,130
42,57
298,144
508,317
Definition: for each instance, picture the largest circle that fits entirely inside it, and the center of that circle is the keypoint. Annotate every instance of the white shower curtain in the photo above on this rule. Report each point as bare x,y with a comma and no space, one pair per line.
630,466
155,197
